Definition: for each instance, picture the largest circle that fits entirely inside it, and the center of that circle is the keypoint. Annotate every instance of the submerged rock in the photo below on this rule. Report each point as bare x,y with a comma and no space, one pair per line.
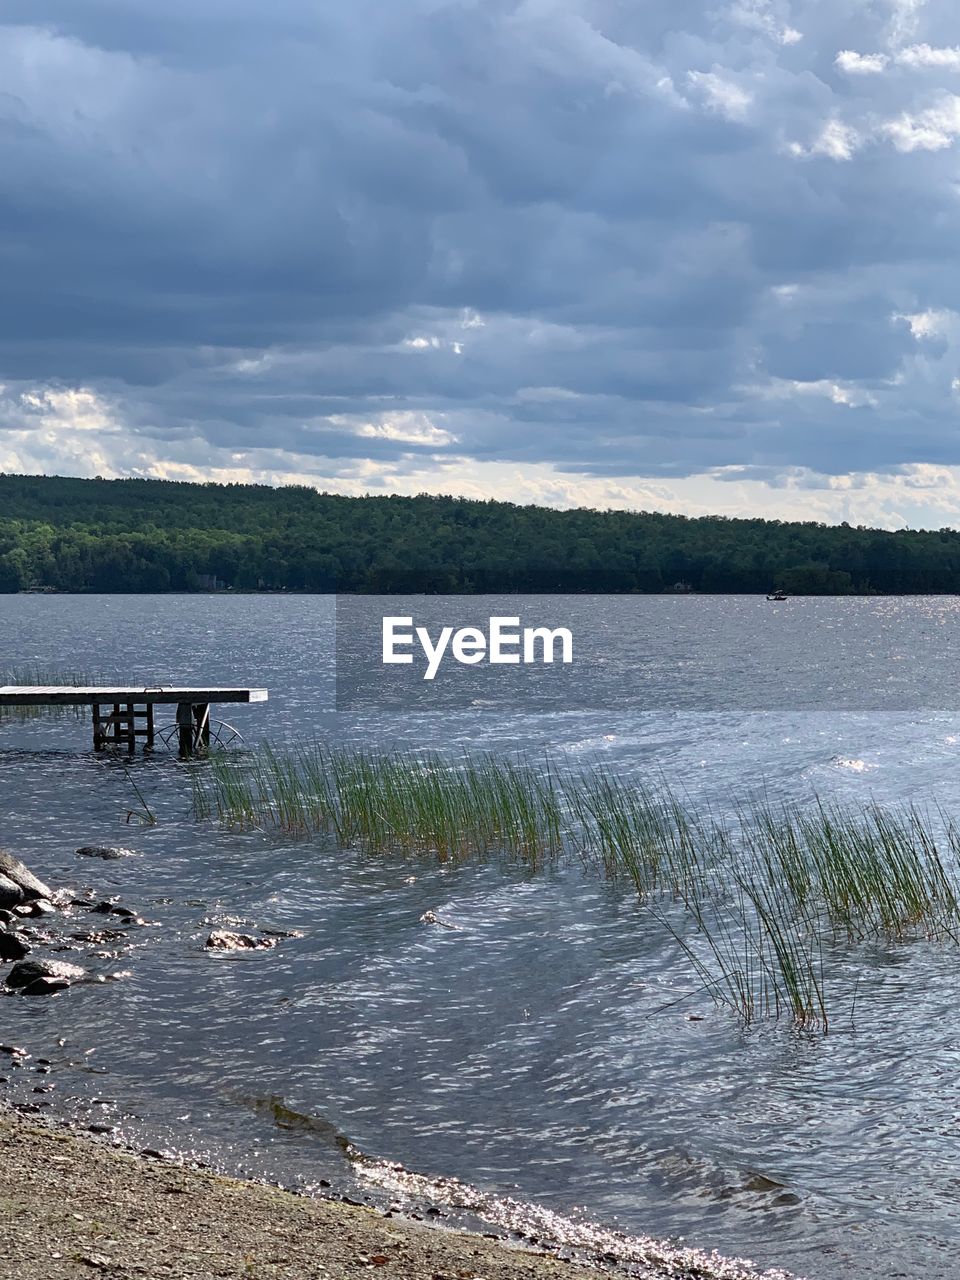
224,940
112,909
99,937
30,886
103,851
43,977
431,917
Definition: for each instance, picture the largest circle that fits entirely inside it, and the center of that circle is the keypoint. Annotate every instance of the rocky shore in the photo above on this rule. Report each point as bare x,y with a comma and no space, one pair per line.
78,1204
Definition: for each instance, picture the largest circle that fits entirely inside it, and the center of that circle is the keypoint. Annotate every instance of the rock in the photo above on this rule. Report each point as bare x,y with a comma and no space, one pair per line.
103,851
38,907
99,937
224,940
45,986
99,1261
29,884
431,917
12,947
111,909
11,895
43,977
6,917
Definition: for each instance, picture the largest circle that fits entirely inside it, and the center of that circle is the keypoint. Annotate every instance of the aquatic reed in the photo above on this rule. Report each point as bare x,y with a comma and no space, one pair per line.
26,675
384,801
752,899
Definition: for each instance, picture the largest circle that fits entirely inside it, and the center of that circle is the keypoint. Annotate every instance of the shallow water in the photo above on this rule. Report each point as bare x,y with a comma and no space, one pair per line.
553,1046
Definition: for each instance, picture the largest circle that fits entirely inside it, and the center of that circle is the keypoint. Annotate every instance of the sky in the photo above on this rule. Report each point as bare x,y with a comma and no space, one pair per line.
648,254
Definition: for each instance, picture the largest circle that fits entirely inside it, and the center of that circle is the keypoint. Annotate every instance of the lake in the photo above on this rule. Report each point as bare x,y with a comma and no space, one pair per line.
554,1046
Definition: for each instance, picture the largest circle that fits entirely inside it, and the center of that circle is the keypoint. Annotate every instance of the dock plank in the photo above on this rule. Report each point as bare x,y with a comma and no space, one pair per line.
12,695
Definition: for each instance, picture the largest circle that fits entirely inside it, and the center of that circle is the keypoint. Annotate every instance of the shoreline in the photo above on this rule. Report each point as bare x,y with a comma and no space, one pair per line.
76,1201
72,1207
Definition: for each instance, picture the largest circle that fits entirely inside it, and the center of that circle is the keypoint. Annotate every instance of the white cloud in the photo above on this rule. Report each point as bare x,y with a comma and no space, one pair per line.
840,393
545,394
762,16
930,324
720,94
837,140
924,55
422,344
904,19
937,57
861,64
67,410
65,429
928,130
406,427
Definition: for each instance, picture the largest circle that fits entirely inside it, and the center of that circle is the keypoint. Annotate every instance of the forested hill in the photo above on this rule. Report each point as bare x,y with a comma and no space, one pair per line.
153,535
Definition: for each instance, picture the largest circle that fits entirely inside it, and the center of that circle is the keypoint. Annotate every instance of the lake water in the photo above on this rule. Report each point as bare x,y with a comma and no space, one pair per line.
544,1049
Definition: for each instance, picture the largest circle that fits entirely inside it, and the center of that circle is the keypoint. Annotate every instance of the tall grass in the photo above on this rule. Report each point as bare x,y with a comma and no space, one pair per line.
387,802
752,899
26,676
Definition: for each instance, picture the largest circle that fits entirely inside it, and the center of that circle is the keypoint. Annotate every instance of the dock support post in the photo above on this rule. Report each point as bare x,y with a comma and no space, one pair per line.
148,745
97,728
185,727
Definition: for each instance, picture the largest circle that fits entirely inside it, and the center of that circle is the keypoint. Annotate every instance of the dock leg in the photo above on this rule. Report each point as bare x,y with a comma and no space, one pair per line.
131,728
185,728
97,728
148,745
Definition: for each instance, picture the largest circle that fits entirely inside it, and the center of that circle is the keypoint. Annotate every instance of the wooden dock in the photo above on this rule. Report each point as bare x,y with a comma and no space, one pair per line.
121,715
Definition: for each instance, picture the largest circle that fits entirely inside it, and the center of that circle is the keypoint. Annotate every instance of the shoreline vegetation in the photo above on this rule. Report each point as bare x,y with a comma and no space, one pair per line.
73,1207
60,534
37,675
762,902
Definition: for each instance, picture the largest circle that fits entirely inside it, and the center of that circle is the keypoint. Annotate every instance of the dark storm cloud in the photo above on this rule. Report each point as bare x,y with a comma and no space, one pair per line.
637,240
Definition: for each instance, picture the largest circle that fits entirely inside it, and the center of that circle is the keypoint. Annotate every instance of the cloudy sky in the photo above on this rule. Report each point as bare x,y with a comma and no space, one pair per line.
669,254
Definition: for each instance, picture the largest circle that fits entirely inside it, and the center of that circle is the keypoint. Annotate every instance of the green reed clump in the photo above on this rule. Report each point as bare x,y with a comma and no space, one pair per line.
754,948
26,676
646,836
872,872
384,801
753,956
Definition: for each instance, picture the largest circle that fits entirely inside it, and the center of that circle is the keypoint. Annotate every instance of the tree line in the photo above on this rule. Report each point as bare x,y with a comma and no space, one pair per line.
68,534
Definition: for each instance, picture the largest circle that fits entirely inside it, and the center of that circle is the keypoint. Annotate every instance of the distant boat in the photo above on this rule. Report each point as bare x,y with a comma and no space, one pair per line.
777,595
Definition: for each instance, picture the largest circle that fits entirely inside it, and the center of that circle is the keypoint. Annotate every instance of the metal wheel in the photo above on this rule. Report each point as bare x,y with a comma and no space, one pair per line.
221,735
